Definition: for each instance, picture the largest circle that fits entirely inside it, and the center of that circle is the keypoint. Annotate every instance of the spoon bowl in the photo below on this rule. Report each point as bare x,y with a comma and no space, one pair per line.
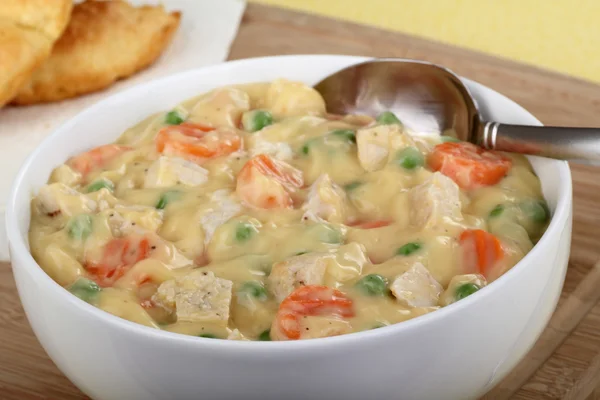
430,99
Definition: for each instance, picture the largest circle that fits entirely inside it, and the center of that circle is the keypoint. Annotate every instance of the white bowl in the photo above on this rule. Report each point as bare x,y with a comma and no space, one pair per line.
458,352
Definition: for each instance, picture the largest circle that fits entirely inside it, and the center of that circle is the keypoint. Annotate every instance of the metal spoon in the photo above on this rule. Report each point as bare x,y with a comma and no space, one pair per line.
428,98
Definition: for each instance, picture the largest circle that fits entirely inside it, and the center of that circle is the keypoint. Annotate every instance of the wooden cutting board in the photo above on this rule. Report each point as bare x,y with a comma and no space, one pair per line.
564,364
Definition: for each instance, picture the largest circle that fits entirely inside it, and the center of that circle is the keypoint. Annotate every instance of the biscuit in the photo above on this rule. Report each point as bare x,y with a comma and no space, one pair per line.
50,17
28,29
21,52
105,41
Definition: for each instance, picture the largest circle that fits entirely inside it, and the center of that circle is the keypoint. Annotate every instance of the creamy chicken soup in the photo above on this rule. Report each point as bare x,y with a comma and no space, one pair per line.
249,213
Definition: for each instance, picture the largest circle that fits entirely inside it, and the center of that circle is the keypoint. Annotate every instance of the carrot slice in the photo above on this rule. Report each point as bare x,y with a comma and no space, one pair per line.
468,165
481,251
118,256
310,300
197,142
84,163
283,173
266,183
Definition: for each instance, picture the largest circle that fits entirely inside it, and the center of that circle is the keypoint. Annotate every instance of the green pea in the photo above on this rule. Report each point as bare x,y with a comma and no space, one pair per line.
173,118
408,249
347,134
244,231
80,226
372,285
410,158
265,336
327,234
388,118
85,289
100,184
253,289
536,210
466,289
497,211
166,198
208,336
352,185
256,120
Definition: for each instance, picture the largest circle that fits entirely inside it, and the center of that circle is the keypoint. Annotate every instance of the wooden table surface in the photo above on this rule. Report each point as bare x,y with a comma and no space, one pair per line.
564,364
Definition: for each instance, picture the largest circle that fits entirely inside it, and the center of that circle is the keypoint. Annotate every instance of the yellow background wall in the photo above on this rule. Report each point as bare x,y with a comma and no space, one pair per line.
561,35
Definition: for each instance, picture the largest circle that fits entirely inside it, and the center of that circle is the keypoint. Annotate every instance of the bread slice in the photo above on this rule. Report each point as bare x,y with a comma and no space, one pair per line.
104,41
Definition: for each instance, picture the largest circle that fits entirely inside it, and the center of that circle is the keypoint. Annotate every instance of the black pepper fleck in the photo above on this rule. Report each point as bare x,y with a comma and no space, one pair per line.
153,247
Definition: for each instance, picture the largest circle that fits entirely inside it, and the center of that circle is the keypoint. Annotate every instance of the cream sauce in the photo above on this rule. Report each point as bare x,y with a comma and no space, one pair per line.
144,220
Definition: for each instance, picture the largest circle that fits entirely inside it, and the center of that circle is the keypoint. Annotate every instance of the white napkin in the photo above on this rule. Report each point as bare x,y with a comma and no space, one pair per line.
204,37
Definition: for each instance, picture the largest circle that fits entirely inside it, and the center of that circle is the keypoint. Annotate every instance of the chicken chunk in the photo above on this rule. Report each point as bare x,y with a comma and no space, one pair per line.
236,335
104,198
435,201
279,150
324,326
348,263
287,99
416,287
376,144
305,269
197,297
58,198
223,206
221,107
65,174
170,171
126,219
167,252
326,201
451,294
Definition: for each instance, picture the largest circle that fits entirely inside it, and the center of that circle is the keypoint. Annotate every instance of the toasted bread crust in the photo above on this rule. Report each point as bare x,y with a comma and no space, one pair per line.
105,41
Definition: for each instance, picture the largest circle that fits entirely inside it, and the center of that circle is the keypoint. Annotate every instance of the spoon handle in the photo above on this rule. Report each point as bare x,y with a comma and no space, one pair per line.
572,144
